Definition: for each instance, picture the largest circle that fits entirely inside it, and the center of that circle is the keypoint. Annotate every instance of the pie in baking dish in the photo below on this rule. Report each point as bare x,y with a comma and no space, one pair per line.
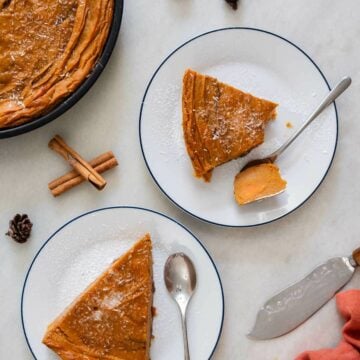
112,318
220,122
47,49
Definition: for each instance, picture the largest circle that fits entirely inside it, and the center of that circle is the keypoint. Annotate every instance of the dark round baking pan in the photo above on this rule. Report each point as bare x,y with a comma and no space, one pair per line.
71,100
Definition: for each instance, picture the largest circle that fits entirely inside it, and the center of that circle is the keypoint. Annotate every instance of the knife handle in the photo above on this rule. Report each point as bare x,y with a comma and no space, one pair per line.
356,256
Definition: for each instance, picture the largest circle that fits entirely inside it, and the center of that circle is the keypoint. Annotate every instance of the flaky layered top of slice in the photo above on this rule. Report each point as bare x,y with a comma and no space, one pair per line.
112,318
47,49
220,122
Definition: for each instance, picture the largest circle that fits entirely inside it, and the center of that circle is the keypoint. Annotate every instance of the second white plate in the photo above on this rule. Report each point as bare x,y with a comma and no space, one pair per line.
83,248
265,65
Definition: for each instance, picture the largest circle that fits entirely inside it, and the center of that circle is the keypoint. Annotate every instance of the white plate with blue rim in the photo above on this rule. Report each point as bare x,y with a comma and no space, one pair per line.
266,65
84,247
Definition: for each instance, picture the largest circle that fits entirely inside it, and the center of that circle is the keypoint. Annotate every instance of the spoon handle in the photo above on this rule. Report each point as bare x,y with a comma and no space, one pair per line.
333,94
185,336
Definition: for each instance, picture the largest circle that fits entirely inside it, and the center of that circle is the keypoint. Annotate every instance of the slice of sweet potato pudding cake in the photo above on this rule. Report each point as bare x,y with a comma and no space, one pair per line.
220,122
112,318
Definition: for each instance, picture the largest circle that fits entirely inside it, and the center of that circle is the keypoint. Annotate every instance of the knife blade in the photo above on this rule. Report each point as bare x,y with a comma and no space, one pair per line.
291,307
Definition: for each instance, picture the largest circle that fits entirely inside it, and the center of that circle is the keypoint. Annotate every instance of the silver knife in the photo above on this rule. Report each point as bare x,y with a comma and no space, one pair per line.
291,307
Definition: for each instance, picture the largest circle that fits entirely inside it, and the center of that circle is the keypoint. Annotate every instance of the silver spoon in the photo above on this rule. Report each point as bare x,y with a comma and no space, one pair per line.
333,94
180,281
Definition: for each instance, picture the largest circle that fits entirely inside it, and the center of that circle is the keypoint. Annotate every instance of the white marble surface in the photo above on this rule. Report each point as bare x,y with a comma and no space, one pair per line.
254,262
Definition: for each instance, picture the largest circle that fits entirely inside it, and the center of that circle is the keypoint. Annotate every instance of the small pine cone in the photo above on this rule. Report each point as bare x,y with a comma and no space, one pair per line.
233,3
20,228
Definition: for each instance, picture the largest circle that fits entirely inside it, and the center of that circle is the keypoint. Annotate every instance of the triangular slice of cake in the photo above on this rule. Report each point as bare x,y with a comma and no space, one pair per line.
112,318
220,122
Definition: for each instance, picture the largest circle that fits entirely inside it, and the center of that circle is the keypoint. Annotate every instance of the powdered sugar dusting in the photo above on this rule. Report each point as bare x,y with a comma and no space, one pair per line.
112,301
268,68
36,33
167,105
253,78
250,78
84,248
97,315
106,244
69,287
166,102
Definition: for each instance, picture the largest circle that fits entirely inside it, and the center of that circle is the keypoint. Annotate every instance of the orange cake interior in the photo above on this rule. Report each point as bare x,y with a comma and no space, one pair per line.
257,182
220,122
112,318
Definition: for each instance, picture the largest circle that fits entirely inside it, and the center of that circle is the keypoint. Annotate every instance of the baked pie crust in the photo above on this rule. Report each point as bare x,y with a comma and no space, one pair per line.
47,49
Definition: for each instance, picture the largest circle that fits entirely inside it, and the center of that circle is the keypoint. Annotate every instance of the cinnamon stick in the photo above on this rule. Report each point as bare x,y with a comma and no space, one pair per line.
77,162
66,182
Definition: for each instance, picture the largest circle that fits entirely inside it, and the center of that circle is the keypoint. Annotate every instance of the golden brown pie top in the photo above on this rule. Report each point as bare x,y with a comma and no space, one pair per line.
111,319
47,49
220,122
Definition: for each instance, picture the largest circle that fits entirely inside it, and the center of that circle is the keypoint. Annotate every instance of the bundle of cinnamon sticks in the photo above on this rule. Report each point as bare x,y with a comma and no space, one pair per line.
83,170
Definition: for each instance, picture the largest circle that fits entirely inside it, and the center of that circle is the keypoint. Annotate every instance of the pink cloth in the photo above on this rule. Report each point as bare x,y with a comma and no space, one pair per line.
348,304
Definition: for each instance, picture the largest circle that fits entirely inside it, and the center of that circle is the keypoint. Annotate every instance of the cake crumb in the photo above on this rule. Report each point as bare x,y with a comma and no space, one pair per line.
289,125
233,3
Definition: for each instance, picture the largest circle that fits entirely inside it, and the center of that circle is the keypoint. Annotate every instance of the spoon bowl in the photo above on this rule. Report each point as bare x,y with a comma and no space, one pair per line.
180,281
271,158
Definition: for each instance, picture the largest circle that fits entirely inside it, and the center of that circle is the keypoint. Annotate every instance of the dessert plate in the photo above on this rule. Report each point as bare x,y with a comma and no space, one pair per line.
81,249
268,66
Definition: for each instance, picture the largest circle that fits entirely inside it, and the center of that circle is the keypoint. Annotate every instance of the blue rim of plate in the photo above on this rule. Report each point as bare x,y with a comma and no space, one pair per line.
84,87
133,208
153,77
